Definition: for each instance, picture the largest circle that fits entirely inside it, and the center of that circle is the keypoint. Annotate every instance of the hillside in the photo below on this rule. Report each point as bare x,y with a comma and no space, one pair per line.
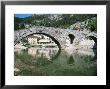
71,21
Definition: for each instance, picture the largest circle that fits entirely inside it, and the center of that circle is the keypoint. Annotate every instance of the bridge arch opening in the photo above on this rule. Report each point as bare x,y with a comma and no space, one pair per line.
53,39
95,40
71,36
56,42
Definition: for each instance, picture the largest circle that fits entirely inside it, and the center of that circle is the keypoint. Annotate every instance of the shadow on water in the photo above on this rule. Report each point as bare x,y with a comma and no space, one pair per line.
95,57
95,50
94,47
71,60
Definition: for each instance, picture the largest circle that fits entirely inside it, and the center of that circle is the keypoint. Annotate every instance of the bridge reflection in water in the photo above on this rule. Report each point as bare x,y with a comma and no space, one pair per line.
48,53
44,62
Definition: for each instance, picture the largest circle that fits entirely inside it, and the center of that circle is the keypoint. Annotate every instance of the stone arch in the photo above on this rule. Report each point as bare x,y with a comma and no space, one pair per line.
59,46
58,35
71,36
95,40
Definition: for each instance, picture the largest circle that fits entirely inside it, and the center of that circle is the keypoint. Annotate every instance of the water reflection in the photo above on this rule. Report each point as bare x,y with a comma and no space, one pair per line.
74,63
47,53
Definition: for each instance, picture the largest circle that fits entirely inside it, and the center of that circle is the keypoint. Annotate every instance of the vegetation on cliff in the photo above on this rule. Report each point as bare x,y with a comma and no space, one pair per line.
56,20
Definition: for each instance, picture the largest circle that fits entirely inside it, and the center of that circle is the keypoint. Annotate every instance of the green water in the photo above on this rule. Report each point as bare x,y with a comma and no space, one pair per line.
52,62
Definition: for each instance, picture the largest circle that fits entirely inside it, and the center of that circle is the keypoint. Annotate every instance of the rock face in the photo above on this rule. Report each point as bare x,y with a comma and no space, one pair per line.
83,25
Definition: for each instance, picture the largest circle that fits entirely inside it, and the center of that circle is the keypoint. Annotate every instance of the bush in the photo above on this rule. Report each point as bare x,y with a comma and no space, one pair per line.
92,24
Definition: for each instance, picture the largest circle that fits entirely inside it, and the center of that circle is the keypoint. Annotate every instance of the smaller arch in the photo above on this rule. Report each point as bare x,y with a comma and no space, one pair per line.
71,36
93,38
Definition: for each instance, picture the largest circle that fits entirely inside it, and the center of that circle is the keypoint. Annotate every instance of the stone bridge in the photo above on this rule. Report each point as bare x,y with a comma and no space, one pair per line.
60,36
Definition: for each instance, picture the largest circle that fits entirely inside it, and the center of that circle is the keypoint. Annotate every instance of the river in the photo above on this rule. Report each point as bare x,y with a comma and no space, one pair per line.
54,62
